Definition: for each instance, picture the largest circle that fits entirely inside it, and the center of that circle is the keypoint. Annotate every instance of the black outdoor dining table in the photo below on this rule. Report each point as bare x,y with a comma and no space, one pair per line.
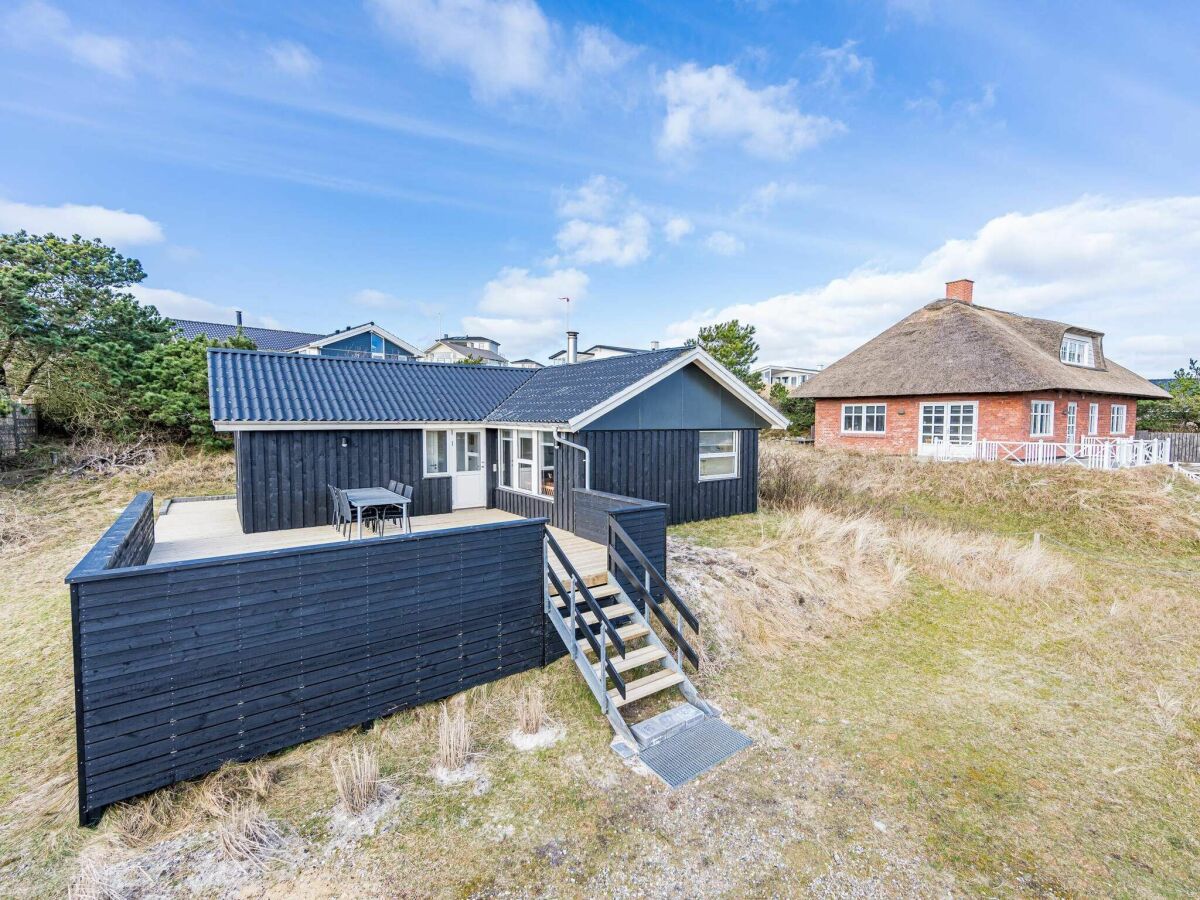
376,498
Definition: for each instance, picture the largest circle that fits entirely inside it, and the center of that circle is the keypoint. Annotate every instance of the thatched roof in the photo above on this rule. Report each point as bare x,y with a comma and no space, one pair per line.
953,347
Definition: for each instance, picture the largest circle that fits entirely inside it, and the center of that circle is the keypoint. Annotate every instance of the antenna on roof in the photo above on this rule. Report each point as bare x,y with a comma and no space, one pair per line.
568,299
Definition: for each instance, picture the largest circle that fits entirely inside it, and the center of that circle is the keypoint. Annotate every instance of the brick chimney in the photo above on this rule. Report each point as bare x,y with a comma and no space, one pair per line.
963,289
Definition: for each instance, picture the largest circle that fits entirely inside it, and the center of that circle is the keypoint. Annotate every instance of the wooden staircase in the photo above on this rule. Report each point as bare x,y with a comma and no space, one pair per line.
622,658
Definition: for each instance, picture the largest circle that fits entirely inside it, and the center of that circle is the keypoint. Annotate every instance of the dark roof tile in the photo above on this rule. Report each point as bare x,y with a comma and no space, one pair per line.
264,338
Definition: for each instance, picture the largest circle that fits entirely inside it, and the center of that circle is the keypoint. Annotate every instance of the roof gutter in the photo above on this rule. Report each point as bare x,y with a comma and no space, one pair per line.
587,458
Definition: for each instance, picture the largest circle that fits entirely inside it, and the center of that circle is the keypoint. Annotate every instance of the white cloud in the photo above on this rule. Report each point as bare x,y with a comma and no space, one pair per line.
38,25
375,299
622,244
765,198
845,69
178,305
677,228
525,312
1123,268
724,243
715,104
594,199
936,103
504,47
113,226
293,59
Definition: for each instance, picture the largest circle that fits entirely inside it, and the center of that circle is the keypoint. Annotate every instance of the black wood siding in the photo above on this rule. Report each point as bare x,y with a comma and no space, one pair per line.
282,475
662,466
183,666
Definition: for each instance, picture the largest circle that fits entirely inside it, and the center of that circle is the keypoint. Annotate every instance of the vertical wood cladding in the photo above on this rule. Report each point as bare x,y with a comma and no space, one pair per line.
181,667
664,466
282,475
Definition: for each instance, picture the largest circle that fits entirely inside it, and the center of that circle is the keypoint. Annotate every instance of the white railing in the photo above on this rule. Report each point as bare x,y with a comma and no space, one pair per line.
1092,453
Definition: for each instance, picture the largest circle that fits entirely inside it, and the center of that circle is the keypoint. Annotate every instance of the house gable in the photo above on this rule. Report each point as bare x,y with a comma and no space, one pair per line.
688,398
361,344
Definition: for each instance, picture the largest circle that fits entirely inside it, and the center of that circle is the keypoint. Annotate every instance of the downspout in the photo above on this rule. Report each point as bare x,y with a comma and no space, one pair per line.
587,458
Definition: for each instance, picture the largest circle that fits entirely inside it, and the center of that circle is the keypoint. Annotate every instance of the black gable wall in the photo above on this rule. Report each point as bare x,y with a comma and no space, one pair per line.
663,465
689,398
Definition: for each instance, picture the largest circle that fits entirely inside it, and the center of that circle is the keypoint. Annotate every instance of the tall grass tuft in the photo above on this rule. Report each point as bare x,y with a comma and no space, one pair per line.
454,735
531,709
356,777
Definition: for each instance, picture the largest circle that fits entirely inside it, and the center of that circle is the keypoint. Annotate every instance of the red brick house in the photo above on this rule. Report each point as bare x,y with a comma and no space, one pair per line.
954,373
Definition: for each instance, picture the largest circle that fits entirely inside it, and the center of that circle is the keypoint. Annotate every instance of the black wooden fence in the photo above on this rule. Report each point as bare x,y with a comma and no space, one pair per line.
182,666
1185,445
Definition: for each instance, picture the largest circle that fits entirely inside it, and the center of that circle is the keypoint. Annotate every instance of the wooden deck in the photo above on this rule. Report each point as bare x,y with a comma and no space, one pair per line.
197,529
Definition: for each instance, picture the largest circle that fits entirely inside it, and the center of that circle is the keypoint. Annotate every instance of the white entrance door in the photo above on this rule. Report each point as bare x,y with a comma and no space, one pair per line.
948,425
1072,423
468,471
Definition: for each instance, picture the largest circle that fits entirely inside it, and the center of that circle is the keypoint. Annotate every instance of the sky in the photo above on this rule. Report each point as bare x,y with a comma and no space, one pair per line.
817,170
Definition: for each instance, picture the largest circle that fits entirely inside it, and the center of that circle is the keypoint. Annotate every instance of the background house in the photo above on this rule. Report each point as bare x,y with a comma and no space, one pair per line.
572,354
672,426
460,349
789,376
366,341
956,372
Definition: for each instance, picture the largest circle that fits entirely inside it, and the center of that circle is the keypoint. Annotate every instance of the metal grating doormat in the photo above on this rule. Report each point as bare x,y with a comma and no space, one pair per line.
693,751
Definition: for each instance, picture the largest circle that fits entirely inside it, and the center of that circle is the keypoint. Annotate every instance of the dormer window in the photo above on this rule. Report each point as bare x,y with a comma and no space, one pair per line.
1076,350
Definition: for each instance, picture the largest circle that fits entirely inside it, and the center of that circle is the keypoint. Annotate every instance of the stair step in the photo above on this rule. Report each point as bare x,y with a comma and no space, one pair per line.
616,611
644,687
628,633
634,658
598,593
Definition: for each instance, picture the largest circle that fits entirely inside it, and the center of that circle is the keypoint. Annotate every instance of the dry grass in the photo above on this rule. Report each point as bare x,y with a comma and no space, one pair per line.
356,777
454,735
171,811
249,837
1124,507
811,573
531,709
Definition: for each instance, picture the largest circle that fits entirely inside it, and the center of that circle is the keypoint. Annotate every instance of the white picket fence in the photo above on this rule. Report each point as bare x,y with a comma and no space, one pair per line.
1091,453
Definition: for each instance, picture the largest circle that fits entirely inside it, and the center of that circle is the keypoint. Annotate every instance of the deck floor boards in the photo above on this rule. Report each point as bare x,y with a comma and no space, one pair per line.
205,528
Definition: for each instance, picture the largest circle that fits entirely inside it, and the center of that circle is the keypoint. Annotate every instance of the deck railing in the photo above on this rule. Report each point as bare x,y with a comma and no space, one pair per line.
1089,452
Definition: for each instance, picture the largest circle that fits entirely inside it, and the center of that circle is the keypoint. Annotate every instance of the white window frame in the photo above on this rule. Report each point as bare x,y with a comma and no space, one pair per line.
1077,350
1034,415
425,473
862,411
381,353
541,439
724,454
1112,418
1093,419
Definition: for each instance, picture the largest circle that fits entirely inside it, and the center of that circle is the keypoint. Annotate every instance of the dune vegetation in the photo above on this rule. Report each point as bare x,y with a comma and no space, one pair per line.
939,702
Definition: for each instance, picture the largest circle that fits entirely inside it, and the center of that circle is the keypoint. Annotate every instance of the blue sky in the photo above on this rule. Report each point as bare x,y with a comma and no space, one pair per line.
441,165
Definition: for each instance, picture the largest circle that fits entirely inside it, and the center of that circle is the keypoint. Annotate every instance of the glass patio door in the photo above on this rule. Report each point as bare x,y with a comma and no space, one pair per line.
470,478
950,424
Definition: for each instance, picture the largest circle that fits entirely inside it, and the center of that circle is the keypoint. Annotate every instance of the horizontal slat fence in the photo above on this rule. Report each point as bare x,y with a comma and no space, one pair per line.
181,667
1185,445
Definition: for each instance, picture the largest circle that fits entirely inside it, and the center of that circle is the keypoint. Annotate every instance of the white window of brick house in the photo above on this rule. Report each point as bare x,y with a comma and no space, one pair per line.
1041,418
1093,418
864,418
1116,421
1076,350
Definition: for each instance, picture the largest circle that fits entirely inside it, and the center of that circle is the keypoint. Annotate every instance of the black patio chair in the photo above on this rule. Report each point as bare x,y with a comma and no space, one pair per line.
336,506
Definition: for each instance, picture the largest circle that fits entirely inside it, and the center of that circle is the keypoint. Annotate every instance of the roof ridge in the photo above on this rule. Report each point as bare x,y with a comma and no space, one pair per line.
354,360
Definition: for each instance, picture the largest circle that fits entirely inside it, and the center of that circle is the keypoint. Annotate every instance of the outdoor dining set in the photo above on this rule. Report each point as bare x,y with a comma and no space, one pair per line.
374,505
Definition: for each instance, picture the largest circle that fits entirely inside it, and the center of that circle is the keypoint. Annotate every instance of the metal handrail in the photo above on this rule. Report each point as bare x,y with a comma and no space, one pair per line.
653,605
607,627
615,528
681,608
